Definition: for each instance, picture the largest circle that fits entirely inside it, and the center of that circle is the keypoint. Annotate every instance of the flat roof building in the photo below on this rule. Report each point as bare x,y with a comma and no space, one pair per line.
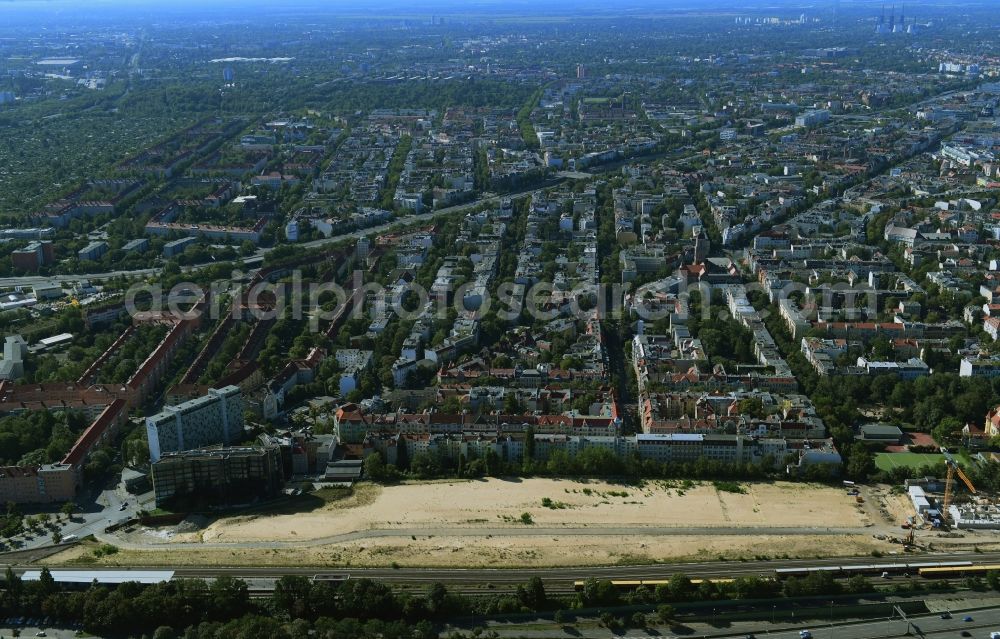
137,245
14,351
178,246
93,251
881,433
215,418
48,483
33,256
216,476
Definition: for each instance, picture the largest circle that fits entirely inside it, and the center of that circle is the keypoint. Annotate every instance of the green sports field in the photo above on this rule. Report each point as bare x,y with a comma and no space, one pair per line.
888,461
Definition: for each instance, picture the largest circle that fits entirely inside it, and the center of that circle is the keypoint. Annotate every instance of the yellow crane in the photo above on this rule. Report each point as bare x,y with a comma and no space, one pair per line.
949,484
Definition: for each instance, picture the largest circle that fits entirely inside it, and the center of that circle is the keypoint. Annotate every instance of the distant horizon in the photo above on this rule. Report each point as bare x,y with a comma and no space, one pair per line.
45,14
503,6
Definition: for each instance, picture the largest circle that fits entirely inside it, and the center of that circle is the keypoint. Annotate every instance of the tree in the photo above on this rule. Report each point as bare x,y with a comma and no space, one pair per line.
752,406
526,519
598,593
424,630
858,584
529,444
666,613
47,583
681,587
437,598
860,462
993,579
230,597
290,595
68,509
947,431
475,469
374,467
164,632
882,349
532,594
13,584
512,405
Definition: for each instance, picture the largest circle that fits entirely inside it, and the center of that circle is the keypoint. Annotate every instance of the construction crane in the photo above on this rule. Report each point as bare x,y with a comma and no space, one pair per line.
949,484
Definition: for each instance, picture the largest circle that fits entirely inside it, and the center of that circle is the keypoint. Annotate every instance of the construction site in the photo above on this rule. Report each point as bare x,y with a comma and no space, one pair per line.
961,505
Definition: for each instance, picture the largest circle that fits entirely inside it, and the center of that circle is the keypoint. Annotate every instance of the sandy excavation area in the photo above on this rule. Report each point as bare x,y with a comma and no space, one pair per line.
495,505
495,551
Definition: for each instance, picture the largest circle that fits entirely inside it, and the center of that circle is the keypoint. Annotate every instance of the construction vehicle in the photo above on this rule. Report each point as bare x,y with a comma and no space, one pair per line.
908,541
949,485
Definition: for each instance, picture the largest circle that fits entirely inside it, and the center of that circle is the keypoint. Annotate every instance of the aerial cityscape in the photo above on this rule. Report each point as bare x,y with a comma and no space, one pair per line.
500,320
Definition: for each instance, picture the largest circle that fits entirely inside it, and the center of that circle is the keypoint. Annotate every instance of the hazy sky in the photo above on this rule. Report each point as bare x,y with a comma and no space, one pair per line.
22,12
455,5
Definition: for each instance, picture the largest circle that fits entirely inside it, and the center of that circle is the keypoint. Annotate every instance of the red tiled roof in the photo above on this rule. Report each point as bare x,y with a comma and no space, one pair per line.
111,415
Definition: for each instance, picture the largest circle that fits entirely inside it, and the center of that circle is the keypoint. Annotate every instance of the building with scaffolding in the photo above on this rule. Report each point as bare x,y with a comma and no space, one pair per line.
976,515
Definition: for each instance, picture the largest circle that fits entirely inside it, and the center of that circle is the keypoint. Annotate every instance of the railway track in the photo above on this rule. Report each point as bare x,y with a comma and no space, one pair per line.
475,580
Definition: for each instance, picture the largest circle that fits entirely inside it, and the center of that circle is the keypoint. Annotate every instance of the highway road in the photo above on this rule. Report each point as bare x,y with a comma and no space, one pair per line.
33,280
927,625
983,622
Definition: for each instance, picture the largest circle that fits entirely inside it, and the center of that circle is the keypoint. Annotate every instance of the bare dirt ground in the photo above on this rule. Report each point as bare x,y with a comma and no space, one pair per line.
497,503
496,551
478,523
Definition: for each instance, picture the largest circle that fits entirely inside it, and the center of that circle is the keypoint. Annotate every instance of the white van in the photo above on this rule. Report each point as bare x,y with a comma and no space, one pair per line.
69,538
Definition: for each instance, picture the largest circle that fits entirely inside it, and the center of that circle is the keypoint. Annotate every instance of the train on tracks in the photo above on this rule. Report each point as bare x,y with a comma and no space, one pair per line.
331,578
928,569
632,584
948,572
909,568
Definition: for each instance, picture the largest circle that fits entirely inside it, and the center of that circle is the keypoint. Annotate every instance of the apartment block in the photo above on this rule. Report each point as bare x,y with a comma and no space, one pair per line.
92,251
37,484
33,256
213,419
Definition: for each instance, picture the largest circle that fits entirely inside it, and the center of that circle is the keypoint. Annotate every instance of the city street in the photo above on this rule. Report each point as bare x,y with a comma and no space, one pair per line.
97,509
